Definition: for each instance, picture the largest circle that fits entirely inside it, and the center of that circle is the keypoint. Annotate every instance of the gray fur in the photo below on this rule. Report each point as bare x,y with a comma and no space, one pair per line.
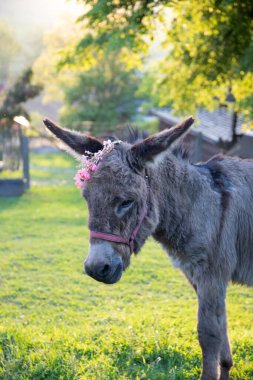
201,214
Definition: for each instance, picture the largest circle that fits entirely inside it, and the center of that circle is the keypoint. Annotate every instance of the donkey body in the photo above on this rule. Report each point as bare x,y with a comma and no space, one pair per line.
201,214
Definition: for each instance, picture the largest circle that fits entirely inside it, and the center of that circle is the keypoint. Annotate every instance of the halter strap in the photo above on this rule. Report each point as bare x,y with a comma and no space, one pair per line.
120,239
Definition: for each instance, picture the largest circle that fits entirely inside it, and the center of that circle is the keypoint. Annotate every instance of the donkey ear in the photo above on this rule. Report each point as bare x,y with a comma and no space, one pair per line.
76,141
152,146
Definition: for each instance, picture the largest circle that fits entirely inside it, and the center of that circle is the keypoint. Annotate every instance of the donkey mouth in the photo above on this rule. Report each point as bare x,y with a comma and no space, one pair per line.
114,277
103,263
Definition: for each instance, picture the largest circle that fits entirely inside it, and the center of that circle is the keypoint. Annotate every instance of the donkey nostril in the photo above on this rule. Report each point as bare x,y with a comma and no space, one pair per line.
105,270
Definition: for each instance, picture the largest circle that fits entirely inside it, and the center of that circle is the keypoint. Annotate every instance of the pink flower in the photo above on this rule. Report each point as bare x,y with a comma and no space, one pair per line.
78,181
81,176
84,174
90,162
93,167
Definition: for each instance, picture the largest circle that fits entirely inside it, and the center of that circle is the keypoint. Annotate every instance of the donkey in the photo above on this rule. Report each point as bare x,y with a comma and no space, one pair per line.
202,214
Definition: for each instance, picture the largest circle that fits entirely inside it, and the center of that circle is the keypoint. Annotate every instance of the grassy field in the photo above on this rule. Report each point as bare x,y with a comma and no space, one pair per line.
57,323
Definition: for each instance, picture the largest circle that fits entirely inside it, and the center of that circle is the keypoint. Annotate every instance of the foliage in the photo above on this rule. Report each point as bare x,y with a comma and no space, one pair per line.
94,87
19,93
58,324
8,49
119,23
209,46
103,95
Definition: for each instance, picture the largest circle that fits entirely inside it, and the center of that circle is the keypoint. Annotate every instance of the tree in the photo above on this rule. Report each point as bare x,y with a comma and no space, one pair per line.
98,86
209,44
103,95
12,106
19,93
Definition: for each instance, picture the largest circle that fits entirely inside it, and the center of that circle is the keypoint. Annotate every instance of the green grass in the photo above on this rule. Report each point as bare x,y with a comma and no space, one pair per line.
9,174
57,323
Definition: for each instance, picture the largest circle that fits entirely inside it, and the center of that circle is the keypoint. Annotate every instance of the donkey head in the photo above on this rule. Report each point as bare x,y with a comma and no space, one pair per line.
121,202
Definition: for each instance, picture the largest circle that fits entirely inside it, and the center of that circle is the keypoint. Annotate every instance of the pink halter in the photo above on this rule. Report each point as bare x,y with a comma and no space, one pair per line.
119,239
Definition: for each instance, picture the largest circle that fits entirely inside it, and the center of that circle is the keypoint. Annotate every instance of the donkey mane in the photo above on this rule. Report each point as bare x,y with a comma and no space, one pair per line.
135,135
132,135
182,150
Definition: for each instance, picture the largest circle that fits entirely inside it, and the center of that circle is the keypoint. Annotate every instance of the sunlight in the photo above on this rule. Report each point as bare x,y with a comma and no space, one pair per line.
42,13
70,7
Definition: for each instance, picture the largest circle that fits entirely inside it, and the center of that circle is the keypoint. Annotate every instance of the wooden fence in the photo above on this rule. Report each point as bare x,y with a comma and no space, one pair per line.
14,153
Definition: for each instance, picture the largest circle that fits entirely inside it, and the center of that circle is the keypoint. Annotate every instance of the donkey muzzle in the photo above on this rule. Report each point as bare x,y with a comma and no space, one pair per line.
102,266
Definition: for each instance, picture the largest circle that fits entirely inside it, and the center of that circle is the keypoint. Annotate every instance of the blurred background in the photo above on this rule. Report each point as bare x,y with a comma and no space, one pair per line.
99,66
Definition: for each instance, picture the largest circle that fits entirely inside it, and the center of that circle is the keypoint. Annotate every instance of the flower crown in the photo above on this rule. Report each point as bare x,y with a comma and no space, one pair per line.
91,160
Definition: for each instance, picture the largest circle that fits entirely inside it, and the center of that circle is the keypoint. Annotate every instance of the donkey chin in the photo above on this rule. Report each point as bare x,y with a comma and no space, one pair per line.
105,264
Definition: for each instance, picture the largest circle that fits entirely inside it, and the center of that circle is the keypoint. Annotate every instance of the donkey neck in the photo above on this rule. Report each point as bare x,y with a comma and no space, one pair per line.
174,190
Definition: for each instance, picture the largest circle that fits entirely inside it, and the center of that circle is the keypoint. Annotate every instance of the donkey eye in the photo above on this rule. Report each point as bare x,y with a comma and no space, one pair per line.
126,204
123,207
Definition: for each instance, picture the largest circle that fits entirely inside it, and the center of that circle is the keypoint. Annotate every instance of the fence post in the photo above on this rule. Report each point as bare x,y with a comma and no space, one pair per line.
198,148
25,159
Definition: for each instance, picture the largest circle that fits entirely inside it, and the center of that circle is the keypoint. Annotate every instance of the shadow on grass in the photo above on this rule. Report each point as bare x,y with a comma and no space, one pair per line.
9,202
21,359
24,359
157,364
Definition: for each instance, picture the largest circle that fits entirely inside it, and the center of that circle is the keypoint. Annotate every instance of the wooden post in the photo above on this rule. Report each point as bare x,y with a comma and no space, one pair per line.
25,159
234,125
198,148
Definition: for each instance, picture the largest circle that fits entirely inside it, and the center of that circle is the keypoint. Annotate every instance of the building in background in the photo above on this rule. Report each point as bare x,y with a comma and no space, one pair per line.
214,132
